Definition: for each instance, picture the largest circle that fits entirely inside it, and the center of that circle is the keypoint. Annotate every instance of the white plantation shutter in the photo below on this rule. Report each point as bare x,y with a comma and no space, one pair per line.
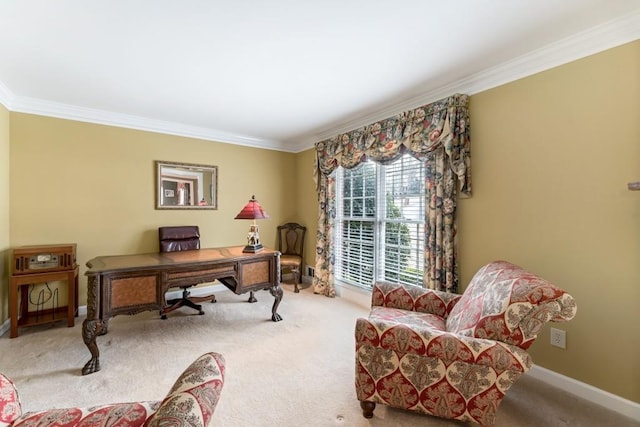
380,223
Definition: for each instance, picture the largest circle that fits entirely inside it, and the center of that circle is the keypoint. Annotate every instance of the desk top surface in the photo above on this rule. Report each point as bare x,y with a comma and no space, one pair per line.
168,259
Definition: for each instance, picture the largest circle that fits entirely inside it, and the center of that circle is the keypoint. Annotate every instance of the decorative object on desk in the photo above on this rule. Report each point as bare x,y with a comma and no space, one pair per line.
253,211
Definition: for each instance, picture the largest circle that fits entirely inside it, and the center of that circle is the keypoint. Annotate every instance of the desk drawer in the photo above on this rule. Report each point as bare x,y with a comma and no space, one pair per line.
201,275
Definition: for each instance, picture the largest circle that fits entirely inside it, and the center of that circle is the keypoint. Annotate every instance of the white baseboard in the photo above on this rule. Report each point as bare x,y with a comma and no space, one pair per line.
4,327
588,392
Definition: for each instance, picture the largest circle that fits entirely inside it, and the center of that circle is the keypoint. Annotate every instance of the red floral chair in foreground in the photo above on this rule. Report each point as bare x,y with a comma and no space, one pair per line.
453,356
190,402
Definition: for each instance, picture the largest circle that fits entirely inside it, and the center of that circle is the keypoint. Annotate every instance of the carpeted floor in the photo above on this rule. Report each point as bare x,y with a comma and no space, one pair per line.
297,372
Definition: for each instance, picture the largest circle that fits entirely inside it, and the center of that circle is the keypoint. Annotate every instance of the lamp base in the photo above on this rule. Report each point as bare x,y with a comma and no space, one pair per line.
253,248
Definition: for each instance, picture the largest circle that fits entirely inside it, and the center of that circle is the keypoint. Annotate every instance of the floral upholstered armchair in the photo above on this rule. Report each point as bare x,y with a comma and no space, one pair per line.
190,402
453,356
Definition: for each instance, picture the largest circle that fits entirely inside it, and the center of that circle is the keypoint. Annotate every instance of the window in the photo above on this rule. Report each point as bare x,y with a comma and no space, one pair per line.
380,211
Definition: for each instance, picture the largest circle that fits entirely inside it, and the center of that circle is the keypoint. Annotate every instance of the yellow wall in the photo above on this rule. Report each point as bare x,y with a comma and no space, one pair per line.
307,203
551,158
4,212
552,155
94,185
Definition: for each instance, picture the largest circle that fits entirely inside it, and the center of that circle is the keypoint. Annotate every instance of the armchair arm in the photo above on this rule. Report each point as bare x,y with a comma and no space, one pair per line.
413,298
194,395
10,407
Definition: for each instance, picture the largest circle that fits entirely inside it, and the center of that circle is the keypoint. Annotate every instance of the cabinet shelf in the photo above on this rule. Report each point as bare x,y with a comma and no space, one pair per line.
47,316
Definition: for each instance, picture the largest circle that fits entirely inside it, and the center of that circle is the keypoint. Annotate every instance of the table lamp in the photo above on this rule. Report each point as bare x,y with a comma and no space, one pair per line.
253,211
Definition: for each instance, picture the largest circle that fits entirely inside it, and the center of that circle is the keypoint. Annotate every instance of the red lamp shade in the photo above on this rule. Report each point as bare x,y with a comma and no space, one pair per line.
252,210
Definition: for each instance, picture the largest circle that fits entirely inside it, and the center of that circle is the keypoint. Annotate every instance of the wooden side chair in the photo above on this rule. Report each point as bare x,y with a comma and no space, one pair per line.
291,247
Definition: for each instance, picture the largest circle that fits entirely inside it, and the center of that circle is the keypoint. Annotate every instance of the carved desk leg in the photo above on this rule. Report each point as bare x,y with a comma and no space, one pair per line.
93,326
90,330
276,291
252,297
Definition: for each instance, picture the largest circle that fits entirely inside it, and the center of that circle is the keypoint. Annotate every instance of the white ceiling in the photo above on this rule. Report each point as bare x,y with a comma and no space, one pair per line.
282,74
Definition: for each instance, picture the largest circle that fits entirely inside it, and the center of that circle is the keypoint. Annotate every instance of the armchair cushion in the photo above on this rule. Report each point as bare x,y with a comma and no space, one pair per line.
191,401
413,298
421,337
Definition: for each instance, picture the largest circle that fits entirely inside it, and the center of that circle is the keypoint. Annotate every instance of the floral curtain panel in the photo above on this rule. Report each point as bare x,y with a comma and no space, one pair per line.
438,134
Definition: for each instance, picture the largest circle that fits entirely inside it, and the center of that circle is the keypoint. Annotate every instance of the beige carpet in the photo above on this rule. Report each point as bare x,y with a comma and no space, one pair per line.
298,372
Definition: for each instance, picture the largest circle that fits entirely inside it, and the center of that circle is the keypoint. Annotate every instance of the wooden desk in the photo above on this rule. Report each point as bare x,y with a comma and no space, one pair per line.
130,284
20,315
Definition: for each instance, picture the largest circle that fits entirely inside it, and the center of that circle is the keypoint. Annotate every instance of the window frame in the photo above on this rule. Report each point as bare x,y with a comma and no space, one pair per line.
377,269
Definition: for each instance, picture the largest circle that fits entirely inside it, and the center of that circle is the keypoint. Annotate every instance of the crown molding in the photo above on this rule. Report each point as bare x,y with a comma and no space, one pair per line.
72,112
6,97
597,39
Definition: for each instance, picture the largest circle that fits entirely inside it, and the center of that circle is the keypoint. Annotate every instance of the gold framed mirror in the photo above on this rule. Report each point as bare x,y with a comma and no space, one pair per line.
186,186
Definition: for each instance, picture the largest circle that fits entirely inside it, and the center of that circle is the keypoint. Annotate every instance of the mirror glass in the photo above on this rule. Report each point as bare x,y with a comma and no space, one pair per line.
186,186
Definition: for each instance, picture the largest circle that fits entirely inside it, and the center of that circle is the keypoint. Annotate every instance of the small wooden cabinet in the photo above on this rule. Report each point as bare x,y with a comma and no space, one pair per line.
33,265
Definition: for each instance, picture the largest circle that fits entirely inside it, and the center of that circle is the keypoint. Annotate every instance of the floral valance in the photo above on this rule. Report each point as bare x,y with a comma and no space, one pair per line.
421,131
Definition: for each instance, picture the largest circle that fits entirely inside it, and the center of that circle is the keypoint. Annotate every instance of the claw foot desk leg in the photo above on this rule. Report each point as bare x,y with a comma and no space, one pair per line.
276,291
90,330
92,325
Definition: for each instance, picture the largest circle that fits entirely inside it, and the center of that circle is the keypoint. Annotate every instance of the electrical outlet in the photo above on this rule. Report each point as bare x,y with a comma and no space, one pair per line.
311,272
558,338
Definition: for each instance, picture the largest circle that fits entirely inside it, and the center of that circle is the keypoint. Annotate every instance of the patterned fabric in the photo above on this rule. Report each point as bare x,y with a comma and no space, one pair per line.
323,276
438,134
407,356
194,395
10,407
504,302
413,298
190,402
117,415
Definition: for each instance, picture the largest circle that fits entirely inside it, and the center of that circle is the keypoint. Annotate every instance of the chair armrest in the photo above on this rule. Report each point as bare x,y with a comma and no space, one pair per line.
413,298
194,395
442,345
10,407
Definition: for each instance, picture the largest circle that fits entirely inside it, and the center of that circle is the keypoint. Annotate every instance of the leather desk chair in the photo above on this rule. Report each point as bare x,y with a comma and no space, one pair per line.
291,247
181,238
